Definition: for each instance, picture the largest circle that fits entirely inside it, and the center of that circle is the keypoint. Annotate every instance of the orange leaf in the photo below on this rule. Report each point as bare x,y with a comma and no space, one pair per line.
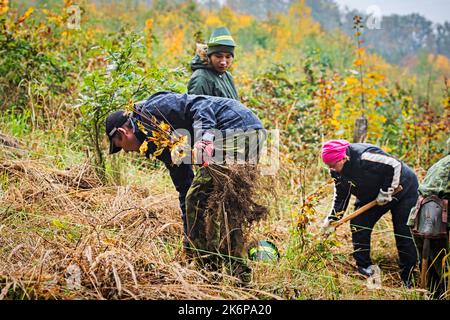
164,126
158,152
3,6
358,62
148,24
143,148
351,81
25,15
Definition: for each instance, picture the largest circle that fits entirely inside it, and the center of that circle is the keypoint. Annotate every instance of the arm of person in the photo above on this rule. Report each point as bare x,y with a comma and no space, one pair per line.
340,202
341,197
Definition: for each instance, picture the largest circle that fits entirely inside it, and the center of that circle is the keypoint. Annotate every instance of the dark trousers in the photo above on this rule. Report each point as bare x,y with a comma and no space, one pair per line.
363,224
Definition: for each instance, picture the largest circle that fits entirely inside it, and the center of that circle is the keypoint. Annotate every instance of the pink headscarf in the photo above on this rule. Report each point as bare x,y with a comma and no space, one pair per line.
334,150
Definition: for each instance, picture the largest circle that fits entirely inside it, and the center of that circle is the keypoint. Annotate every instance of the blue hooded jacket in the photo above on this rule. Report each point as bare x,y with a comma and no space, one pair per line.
200,115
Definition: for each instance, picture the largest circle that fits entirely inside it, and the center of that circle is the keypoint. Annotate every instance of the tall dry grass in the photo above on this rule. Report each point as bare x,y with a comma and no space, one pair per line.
65,235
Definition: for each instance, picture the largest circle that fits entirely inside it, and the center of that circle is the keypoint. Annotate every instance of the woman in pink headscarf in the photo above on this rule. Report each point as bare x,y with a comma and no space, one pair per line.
333,154
369,173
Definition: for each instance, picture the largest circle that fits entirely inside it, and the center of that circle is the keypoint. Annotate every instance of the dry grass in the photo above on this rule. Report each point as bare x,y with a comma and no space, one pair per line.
123,241
314,268
65,235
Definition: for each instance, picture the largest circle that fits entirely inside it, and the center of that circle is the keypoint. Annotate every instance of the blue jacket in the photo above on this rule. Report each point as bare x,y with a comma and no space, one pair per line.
197,114
369,170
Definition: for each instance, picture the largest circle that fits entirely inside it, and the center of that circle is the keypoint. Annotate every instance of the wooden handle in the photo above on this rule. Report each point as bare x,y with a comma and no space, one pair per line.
364,208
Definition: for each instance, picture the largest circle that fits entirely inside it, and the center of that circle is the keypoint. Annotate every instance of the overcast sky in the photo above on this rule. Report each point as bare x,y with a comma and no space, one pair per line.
434,10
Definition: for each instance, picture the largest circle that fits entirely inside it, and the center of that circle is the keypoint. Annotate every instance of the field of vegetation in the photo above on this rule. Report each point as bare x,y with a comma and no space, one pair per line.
76,223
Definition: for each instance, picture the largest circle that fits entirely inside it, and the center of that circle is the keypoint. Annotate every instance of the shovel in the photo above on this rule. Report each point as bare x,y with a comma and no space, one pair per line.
424,268
361,210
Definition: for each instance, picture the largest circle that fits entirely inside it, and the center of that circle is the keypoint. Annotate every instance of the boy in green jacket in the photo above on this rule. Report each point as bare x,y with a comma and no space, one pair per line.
211,76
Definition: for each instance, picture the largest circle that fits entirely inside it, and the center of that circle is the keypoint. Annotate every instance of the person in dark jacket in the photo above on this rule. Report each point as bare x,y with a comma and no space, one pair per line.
208,122
430,222
210,74
369,173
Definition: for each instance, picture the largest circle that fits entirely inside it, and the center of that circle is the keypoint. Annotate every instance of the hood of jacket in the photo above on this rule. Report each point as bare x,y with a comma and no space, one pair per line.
198,63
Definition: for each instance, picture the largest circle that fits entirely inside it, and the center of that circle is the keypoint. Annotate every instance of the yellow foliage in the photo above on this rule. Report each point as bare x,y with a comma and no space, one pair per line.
330,108
142,128
351,81
244,21
441,63
387,149
358,62
25,16
68,3
375,62
166,20
294,27
91,7
148,24
382,91
163,138
148,30
375,76
283,37
53,17
4,6
301,219
179,149
143,148
305,25
213,20
362,94
229,17
370,91
90,33
173,42
164,126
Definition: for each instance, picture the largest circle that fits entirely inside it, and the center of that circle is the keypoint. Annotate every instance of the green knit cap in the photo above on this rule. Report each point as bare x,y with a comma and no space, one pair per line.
221,39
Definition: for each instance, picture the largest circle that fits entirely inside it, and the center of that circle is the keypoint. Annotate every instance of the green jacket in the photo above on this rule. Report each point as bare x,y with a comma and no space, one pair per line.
207,81
437,180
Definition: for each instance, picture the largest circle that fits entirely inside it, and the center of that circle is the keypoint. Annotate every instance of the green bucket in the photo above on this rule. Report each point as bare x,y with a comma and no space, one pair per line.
263,250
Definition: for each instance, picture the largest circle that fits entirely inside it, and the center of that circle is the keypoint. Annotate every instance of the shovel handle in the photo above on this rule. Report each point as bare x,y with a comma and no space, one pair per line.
424,266
364,208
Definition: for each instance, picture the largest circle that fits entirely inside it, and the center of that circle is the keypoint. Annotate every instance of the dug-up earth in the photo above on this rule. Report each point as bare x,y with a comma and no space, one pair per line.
65,235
